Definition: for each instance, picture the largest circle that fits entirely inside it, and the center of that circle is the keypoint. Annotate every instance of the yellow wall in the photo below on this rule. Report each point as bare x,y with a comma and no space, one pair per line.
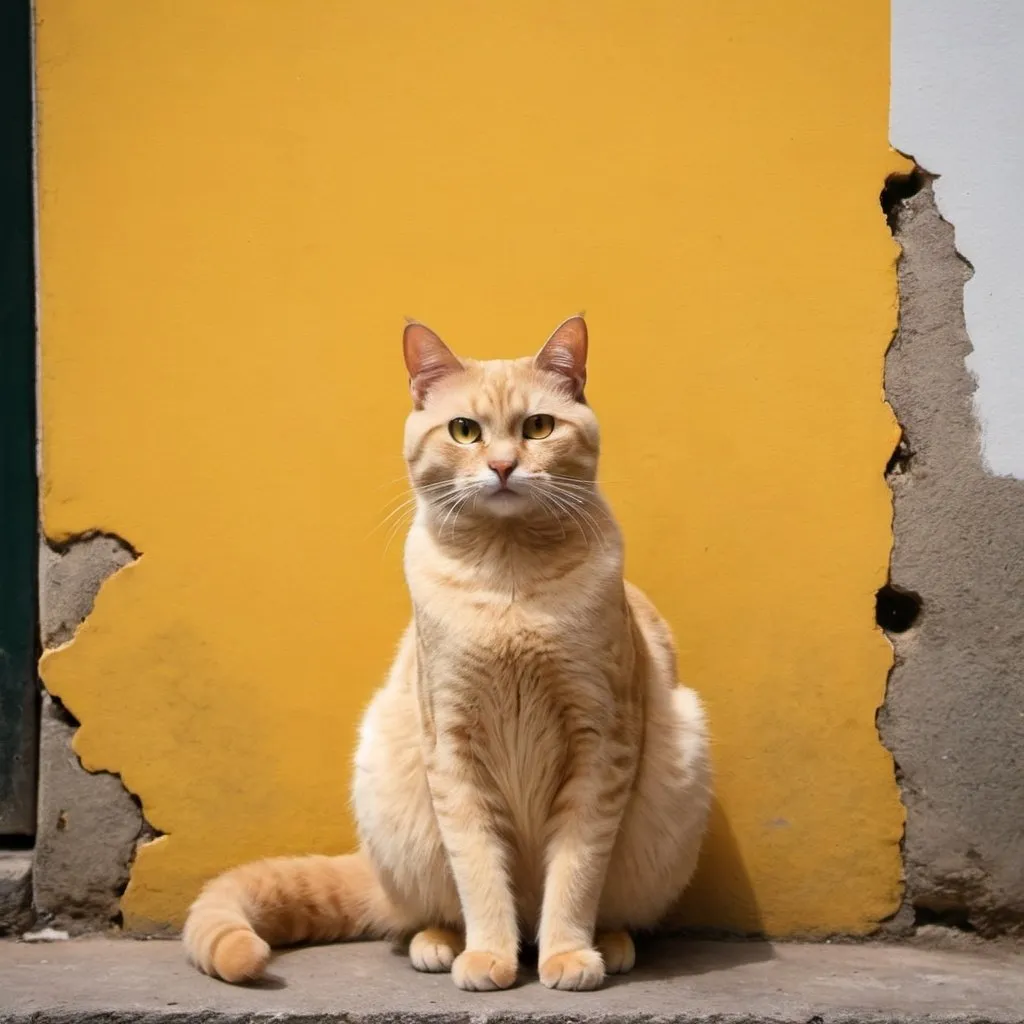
241,200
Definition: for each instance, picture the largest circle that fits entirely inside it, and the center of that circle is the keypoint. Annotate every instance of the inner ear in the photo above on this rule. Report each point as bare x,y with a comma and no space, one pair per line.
565,353
428,359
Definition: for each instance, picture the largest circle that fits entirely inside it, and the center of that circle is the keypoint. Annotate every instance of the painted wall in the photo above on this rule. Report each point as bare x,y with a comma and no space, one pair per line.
958,109
238,208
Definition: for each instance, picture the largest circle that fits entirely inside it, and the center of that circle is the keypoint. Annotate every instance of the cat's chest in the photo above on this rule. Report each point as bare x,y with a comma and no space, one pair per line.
512,685
513,692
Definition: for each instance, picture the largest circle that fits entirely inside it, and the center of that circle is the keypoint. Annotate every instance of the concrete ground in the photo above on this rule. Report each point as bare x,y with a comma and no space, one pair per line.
112,981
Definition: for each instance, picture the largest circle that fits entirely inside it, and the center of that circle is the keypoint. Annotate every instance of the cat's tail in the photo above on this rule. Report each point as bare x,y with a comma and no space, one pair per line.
241,914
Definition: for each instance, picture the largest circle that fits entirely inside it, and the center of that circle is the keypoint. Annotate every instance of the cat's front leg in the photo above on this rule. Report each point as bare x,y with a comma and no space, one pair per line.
582,829
478,856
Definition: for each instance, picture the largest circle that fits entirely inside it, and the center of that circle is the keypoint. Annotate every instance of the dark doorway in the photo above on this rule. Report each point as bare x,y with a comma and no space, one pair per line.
19,697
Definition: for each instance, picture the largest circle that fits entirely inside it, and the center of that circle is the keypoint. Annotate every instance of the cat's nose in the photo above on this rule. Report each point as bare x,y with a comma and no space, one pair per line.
503,468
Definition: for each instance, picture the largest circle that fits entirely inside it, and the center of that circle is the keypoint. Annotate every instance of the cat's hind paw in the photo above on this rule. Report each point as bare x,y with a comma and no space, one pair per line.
617,951
434,950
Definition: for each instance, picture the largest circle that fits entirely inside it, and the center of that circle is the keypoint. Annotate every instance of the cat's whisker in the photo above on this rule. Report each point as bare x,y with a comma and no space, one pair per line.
403,479
426,488
571,514
585,495
406,506
410,496
587,483
470,492
426,491
581,497
405,513
449,501
582,489
449,482
549,507
581,503
455,492
409,499
599,534
399,512
458,511
409,502
578,505
395,530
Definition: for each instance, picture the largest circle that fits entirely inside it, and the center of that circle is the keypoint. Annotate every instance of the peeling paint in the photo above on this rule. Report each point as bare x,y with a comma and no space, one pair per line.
70,576
954,714
88,825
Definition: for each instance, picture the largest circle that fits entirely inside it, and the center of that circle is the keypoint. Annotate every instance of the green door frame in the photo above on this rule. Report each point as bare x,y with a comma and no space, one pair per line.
19,692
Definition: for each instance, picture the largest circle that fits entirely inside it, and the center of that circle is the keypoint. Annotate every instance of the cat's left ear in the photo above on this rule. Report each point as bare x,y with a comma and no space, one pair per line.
565,353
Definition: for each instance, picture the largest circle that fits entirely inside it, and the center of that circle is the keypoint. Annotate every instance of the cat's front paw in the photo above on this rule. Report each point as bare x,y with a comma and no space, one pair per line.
479,971
579,970
434,950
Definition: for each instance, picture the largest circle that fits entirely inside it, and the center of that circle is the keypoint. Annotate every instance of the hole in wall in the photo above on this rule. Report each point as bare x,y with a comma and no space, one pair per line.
896,610
896,189
951,917
899,461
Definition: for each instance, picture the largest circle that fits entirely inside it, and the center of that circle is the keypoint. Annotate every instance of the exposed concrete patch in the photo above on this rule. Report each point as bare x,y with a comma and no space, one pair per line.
70,577
15,891
89,825
88,829
954,714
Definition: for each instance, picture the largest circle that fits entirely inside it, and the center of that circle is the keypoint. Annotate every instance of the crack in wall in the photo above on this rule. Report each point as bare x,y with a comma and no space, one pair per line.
953,717
90,826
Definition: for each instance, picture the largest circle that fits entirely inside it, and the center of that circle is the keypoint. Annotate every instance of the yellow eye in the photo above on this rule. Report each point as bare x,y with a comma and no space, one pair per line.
464,431
536,427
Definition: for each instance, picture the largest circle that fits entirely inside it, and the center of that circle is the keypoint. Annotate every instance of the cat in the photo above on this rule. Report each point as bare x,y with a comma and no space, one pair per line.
531,767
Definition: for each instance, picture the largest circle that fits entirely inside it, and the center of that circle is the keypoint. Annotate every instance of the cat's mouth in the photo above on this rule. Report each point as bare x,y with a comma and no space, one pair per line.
495,488
502,492
504,500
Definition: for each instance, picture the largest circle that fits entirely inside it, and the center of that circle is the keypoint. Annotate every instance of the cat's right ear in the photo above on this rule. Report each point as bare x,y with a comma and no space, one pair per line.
428,360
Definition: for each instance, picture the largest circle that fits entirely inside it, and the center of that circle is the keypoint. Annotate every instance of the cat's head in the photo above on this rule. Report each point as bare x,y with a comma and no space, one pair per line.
504,438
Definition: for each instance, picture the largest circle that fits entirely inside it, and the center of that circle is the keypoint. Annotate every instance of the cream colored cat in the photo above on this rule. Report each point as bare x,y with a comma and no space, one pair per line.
531,769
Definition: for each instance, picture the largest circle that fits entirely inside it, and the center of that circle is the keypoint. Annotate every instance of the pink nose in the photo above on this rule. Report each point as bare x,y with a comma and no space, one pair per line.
503,469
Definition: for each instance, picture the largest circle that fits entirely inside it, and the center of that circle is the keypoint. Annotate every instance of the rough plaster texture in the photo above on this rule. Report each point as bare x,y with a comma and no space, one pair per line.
957,97
954,716
88,825
15,891
717,983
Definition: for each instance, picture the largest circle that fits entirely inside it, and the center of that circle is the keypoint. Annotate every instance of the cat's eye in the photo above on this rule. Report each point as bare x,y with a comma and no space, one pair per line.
536,427
463,430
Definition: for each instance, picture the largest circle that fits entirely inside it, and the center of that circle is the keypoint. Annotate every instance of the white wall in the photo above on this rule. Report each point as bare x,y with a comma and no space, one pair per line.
958,109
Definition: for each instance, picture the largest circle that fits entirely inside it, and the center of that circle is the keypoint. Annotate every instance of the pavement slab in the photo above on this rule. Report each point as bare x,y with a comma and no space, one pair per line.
120,981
